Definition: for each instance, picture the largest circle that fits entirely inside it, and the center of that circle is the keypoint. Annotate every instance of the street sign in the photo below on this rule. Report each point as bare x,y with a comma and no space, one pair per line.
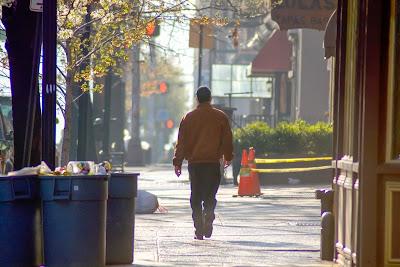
207,36
302,14
36,5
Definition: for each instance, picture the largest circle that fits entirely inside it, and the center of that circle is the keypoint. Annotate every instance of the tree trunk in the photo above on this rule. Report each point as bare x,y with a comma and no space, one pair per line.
66,143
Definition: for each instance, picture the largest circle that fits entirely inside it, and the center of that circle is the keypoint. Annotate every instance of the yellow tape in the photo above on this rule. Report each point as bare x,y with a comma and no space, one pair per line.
292,169
264,161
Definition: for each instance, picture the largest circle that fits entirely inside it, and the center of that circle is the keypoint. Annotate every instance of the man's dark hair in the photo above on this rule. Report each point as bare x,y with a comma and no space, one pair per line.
203,94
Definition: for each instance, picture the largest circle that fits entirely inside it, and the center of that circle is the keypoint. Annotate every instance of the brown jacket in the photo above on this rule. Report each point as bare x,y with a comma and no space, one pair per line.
204,136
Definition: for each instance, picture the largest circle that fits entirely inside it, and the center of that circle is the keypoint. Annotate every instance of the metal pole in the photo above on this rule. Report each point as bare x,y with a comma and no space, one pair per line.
135,157
107,116
49,82
82,150
33,95
199,80
230,96
273,102
277,97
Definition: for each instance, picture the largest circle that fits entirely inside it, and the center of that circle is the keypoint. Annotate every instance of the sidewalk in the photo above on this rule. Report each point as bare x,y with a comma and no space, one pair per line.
279,229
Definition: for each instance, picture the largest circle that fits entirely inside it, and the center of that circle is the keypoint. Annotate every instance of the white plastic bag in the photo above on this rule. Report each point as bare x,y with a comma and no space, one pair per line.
146,202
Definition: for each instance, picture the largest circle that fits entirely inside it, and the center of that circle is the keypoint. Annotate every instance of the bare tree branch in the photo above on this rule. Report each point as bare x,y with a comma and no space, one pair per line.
61,72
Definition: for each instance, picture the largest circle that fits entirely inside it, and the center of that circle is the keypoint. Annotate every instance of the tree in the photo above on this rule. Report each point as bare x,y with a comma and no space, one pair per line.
239,9
115,26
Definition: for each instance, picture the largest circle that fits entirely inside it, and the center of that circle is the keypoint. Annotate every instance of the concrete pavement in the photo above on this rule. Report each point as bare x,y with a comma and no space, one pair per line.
280,229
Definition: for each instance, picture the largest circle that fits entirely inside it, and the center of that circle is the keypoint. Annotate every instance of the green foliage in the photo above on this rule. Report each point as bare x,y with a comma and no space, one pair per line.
287,138
253,135
101,32
320,138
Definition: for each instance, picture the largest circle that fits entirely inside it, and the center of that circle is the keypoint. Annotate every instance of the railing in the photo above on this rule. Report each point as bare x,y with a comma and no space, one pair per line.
291,160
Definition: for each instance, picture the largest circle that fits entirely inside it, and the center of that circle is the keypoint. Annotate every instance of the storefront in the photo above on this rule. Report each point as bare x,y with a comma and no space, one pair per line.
366,116
367,133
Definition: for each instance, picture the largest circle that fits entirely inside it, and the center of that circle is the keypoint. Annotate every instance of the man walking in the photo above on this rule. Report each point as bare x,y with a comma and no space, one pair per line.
204,139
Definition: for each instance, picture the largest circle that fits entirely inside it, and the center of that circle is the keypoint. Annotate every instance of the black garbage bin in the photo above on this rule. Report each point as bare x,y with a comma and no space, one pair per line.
121,218
20,221
74,220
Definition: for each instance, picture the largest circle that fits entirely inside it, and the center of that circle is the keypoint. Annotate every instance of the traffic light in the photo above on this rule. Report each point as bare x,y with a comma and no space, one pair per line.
153,28
163,87
169,124
154,87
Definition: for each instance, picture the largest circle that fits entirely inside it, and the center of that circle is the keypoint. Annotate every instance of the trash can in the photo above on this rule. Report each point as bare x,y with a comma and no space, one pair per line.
74,220
20,221
121,218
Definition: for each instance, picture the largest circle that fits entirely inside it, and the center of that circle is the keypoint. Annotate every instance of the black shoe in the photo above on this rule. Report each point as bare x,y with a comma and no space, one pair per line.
198,237
208,231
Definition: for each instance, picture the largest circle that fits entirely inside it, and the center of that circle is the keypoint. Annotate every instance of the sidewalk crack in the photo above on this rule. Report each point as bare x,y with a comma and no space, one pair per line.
220,220
157,247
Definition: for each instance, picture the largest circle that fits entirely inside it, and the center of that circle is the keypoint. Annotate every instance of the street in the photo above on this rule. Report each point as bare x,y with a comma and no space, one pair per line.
282,228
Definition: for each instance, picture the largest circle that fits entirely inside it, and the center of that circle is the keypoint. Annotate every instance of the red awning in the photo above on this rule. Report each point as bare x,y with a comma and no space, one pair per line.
274,56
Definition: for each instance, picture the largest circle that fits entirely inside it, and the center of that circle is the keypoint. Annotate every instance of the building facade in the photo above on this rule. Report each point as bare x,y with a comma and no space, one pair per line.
266,74
367,131
311,79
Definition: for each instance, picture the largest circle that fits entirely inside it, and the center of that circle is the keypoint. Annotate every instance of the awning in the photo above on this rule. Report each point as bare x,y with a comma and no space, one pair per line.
330,36
273,57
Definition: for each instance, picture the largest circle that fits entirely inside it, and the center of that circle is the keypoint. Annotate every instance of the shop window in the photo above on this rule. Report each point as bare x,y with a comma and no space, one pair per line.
233,79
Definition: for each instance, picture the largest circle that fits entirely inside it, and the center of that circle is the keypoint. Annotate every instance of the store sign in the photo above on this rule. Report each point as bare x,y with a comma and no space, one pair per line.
207,36
302,14
36,5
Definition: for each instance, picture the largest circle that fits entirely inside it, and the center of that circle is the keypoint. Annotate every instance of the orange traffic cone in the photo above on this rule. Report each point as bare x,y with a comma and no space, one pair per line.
245,182
253,174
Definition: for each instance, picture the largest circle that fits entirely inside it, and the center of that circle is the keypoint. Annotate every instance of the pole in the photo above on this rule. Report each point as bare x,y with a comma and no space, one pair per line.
135,157
277,97
199,80
230,96
49,82
107,116
33,95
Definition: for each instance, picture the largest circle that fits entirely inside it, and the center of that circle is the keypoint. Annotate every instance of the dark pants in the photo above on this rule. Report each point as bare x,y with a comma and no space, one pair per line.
204,183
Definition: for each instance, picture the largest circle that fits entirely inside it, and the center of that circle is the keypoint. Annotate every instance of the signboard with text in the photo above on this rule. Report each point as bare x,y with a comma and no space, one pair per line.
36,5
302,14
207,36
